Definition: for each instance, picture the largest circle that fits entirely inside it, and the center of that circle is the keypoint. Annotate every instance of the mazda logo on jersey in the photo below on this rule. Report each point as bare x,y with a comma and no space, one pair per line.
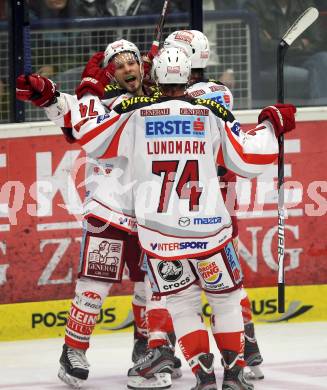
174,126
170,271
184,221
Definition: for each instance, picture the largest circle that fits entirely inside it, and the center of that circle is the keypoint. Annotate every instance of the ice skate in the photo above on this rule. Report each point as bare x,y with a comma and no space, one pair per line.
233,374
205,376
73,367
177,372
139,349
252,355
158,360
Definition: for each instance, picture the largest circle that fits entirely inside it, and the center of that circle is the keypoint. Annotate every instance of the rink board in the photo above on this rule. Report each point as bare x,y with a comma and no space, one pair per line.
40,230
36,320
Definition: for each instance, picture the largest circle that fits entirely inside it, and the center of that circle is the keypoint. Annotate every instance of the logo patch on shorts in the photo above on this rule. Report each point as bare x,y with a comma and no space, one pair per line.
209,272
104,258
170,271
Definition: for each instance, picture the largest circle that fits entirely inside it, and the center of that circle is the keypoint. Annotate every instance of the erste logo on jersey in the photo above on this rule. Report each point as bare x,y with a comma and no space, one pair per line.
233,262
175,126
220,97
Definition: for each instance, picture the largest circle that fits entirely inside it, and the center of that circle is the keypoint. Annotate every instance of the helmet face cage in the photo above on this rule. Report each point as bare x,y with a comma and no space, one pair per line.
171,66
119,47
194,42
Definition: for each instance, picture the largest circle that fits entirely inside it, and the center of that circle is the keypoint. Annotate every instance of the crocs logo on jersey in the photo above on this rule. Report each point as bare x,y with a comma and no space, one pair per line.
170,271
209,272
174,126
172,246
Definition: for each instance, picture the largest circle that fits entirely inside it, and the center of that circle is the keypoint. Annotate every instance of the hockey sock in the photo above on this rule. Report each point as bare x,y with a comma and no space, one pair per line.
246,308
159,325
140,321
232,341
193,345
85,308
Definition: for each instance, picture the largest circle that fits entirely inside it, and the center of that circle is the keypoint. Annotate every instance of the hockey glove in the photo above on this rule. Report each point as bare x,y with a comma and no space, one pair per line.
281,116
95,78
37,89
148,59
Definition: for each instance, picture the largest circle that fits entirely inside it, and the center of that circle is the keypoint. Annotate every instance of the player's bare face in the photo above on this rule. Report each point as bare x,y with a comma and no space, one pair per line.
128,72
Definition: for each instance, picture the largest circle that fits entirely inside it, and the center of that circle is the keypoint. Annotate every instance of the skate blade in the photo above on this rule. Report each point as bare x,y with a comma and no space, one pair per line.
74,383
253,373
161,380
177,373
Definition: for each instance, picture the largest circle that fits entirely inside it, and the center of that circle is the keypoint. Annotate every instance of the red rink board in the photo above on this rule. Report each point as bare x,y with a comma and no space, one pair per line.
38,264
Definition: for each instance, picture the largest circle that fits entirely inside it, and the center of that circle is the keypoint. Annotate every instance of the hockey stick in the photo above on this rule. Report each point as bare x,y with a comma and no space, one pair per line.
159,30
27,41
297,28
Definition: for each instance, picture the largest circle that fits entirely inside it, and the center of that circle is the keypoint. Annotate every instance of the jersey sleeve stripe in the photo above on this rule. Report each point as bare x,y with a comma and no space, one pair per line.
98,130
68,119
112,150
248,158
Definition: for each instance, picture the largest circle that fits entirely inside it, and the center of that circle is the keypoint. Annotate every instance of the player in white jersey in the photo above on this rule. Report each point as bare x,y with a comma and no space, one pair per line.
196,44
123,61
173,148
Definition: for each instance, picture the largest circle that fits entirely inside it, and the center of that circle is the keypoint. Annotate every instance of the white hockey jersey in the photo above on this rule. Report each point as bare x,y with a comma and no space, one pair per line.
212,90
171,149
108,187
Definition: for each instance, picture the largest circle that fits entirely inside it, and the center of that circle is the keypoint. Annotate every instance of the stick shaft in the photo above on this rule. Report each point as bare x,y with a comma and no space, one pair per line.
281,52
159,27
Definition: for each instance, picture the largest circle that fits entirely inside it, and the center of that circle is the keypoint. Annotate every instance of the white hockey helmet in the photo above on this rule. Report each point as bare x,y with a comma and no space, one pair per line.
171,66
195,44
119,47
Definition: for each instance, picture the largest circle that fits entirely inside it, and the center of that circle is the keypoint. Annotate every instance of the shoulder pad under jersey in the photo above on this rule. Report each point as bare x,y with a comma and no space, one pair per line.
113,90
134,103
218,109
215,81
155,91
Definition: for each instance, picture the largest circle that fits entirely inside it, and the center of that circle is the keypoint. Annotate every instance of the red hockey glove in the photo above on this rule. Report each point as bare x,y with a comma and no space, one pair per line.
37,89
95,78
281,116
148,59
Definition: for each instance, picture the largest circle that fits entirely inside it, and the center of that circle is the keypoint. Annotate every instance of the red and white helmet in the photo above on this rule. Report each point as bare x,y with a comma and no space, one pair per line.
171,66
195,44
119,47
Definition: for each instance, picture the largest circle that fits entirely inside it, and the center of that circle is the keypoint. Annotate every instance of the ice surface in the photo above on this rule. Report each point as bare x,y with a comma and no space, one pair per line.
295,358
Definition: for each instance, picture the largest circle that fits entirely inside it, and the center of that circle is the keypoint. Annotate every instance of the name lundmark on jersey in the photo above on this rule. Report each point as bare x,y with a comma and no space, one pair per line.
176,147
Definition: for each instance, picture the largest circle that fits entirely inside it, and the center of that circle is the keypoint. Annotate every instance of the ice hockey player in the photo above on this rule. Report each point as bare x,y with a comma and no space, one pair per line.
123,61
196,45
172,148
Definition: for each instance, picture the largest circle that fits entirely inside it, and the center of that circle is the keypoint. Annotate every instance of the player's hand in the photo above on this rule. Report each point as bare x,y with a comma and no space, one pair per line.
94,77
37,89
281,116
148,59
